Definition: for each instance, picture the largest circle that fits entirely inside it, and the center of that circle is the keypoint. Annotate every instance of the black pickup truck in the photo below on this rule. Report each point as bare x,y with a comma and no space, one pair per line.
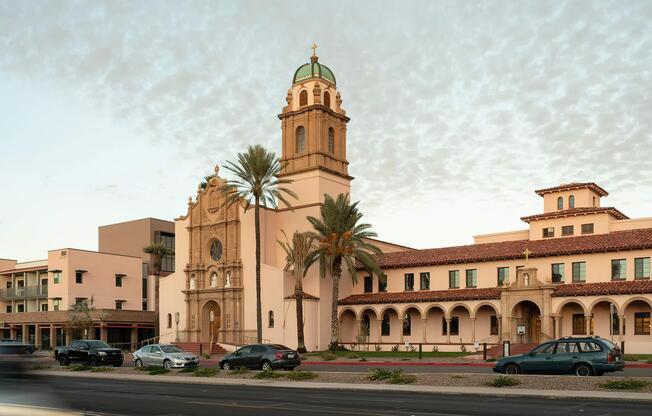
89,352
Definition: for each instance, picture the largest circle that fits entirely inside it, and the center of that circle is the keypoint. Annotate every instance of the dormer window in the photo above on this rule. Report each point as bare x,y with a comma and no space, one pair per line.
560,203
571,201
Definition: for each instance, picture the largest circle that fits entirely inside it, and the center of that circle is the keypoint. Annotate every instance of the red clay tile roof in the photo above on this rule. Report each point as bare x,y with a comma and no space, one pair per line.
24,269
571,186
422,296
306,296
508,250
575,212
604,288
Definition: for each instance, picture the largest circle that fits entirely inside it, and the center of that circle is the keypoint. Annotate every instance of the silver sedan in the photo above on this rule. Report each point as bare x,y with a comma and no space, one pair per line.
164,355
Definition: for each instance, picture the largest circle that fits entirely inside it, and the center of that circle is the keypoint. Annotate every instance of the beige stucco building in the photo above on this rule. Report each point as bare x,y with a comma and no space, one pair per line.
588,268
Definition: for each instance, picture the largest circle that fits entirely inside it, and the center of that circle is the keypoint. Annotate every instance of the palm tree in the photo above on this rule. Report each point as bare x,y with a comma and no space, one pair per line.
256,184
342,239
300,254
157,251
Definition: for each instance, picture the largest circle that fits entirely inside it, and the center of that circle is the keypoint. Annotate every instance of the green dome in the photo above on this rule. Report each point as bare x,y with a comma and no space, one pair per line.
313,70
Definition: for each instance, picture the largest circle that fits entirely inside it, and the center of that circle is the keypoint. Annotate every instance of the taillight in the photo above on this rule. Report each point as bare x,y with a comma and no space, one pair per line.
278,355
610,358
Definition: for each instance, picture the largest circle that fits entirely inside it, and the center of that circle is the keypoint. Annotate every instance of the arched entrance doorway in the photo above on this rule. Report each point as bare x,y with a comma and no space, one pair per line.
211,321
526,322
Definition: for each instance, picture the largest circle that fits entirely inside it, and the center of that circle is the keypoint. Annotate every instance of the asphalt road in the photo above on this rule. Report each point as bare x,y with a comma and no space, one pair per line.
119,397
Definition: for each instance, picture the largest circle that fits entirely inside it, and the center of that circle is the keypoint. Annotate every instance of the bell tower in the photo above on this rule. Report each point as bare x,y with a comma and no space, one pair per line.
313,123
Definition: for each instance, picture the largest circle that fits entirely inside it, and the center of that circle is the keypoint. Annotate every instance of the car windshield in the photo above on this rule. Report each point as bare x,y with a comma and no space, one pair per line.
610,344
98,344
279,347
170,348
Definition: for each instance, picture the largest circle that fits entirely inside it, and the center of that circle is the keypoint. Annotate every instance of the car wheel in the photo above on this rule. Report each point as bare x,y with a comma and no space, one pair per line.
167,364
583,370
93,362
64,361
512,368
266,366
226,366
138,363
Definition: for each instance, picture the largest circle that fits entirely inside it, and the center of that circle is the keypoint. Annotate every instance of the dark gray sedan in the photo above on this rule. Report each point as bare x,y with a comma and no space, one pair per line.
166,356
263,357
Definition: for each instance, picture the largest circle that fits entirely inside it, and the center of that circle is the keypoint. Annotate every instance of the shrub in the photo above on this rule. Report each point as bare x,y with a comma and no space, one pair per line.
301,375
410,348
79,367
239,370
352,355
205,372
154,371
435,348
146,368
40,367
188,370
502,381
101,370
395,348
207,356
378,374
362,359
267,374
626,384
328,356
399,378
378,348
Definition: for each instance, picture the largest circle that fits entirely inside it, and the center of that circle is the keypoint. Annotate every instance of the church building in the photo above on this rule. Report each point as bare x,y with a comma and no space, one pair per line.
578,269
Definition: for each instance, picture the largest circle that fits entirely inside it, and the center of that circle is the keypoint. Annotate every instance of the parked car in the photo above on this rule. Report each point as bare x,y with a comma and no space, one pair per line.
167,356
7,344
263,357
585,356
90,352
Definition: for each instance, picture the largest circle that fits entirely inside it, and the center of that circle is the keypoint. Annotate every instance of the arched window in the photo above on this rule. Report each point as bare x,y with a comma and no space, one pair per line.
270,319
571,201
384,326
331,140
560,203
366,325
169,320
300,140
327,99
303,98
407,324
213,279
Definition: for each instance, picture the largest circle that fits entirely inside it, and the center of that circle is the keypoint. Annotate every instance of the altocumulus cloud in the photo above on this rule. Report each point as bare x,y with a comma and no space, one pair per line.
492,98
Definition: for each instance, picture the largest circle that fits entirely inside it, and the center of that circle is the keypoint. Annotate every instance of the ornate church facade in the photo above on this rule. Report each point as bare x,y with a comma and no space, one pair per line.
578,269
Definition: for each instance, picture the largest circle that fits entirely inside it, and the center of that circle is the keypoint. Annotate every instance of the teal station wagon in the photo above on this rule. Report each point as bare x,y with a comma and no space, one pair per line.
580,356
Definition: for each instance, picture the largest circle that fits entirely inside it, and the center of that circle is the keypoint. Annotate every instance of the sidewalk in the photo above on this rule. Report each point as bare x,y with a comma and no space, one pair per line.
476,391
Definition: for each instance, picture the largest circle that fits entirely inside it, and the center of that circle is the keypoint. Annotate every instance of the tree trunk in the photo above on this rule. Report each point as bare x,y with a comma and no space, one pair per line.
259,312
337,273
298,295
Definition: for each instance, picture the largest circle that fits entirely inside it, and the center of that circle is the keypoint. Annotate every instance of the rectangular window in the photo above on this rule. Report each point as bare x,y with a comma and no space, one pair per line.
382,283
118,304
558,273
55,304
425,281
118,281
409,281
44,307
587,228
144,288
79,277
144,306
618,269
642,323
455,326
493,325
20,307
472,278
56,277
548,232
368,284
579,271
567,230
453,279
8,309
642,268
503,275
579,324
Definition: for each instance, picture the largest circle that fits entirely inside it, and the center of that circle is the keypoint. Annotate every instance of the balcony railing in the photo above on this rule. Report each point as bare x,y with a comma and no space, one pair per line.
25,292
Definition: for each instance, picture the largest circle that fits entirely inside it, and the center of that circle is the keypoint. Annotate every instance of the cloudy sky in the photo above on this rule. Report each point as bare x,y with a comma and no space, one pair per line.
114,110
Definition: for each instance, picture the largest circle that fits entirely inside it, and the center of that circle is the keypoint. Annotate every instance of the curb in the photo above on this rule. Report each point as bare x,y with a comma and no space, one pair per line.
398,364
448,390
